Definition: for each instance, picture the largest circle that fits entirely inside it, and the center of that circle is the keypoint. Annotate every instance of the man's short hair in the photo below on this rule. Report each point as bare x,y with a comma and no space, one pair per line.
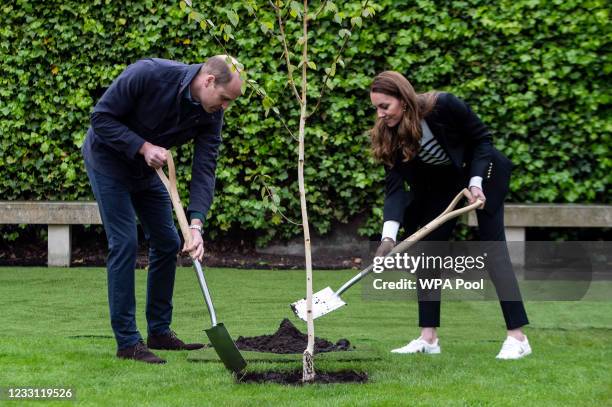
219,67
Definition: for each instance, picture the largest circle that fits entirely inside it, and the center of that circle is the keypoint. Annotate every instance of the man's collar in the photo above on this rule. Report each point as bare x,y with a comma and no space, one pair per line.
187,95
192,71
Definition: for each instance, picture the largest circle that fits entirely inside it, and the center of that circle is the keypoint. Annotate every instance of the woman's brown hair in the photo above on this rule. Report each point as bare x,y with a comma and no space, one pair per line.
405,138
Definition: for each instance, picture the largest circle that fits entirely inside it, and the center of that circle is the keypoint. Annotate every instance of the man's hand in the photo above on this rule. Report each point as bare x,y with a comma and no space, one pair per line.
385,247
476,193
154,156
196,248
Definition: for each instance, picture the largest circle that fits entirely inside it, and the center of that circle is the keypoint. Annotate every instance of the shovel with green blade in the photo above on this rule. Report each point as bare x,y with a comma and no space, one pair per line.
218,335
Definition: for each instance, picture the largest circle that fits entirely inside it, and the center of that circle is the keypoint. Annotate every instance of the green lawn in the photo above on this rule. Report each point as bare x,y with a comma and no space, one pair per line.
55,332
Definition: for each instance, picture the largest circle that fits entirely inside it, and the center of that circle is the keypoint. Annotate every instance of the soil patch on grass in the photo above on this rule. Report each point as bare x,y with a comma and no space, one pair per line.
295,377
289,339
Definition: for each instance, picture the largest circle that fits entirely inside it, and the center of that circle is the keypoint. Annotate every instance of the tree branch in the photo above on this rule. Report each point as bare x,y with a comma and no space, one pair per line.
271,195
284,41
255,88
316,14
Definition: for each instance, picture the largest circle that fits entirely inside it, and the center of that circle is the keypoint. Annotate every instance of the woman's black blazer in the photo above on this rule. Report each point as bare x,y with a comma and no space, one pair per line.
468,143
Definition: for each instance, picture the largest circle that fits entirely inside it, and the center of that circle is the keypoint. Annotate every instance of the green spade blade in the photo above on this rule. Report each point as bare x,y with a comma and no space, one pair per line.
226,348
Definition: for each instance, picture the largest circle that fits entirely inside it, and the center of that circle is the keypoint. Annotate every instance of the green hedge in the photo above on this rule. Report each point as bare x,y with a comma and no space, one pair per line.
536,71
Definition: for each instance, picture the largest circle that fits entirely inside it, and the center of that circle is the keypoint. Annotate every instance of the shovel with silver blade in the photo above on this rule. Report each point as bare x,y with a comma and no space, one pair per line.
218,335
328,300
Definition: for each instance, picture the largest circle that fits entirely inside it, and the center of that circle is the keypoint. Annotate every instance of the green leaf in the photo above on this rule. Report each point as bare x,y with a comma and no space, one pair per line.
233,17
275,198
267,103
267,26
344,32
312,65
331,7
296,9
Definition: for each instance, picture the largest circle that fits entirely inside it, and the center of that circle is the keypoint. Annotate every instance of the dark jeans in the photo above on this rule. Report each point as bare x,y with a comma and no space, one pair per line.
119,202
438,187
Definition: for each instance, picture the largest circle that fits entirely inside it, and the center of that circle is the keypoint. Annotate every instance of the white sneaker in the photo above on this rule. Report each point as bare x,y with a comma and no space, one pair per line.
419,345
514,349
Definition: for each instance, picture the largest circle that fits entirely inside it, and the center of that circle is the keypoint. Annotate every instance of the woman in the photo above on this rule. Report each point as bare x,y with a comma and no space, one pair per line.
434,143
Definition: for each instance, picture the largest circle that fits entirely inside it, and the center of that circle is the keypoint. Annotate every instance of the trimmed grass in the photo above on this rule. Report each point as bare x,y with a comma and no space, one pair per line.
55,332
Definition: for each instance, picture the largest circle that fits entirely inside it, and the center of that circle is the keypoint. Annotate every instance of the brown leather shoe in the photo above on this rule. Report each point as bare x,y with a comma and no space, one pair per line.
139,352
170,342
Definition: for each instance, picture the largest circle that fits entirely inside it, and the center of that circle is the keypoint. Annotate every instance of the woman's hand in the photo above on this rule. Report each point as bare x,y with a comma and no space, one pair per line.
476,193
385,247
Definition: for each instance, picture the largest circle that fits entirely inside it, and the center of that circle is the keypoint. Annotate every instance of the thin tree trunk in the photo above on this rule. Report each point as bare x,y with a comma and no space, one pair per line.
308,374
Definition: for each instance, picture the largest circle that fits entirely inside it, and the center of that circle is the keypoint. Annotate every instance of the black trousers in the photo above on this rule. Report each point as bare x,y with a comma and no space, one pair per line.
434,189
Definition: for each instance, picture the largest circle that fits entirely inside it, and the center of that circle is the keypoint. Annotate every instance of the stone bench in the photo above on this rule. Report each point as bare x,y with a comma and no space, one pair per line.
59,216
518,217
343,239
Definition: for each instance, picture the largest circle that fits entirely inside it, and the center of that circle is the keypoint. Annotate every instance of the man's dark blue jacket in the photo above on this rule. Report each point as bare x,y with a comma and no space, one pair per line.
146,103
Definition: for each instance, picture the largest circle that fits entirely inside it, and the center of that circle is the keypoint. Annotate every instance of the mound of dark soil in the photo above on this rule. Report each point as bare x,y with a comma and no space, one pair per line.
289,339
295,377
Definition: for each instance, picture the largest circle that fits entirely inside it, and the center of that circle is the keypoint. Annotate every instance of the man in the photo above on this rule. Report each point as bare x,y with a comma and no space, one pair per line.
153,105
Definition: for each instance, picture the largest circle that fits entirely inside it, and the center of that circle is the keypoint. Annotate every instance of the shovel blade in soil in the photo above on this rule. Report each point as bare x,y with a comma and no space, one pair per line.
226,348
323,302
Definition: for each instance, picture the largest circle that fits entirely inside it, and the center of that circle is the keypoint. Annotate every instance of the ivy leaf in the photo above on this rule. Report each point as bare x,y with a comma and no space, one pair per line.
344,32
331,7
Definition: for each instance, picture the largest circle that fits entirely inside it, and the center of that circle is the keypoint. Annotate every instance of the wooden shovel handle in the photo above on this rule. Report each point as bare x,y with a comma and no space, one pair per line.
448,214
170,185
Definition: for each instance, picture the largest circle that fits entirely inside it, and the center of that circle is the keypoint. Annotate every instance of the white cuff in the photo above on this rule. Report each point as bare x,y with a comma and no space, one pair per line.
390,229
476,182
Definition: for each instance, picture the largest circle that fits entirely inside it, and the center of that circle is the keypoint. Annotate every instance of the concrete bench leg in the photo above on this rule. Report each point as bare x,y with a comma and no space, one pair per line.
516,247
59,242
